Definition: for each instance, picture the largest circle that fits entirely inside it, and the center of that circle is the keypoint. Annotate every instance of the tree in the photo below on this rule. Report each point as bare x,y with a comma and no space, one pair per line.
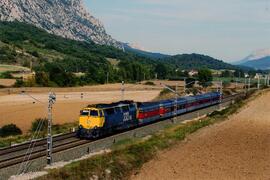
226,73
190,82
205,77
239,73
42,78
162,71
39,125
10,130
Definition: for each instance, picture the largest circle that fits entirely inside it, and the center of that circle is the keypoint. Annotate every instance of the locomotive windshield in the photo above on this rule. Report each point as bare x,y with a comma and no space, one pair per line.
94,113
84,113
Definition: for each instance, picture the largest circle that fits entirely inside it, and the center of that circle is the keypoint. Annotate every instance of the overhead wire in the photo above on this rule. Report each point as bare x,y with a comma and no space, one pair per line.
27,156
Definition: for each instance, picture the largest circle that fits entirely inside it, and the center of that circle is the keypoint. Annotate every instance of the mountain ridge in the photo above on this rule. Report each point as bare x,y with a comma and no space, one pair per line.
66,18
262,63
256,55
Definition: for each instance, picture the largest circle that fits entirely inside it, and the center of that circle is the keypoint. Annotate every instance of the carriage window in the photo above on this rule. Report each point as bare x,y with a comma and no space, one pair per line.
94,113
84,113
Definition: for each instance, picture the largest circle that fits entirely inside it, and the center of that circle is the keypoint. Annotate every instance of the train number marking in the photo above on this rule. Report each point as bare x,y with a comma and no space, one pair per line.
127,117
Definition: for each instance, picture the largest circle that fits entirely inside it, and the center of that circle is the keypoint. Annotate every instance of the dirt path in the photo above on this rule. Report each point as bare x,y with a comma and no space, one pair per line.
235,149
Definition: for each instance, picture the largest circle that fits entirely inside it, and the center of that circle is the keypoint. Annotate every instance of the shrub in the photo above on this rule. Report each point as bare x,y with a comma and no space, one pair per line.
149,83
6,75
19,83
37,124
10,130
164,92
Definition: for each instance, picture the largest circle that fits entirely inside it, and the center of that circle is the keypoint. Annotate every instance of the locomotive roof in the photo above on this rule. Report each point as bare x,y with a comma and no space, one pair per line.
115,104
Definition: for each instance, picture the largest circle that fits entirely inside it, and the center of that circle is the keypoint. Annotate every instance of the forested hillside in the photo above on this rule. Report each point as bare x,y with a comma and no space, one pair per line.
56,60
195,61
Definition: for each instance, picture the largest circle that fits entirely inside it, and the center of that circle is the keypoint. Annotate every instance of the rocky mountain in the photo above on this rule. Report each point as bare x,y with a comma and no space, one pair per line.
66,18
256,55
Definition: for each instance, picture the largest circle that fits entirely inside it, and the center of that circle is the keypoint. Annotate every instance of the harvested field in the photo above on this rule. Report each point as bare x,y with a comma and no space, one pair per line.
238,148
21,110
96,88
4,68
7,82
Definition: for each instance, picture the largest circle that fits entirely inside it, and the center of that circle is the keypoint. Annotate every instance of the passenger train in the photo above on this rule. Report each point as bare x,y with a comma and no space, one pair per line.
103,119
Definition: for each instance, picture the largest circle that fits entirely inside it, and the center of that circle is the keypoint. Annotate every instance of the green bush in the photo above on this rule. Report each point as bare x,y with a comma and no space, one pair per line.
164,92
149,83
10,130
6,75
35,124
19,83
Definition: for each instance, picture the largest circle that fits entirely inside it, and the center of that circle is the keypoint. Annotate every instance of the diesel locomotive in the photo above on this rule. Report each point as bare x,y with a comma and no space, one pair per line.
103,119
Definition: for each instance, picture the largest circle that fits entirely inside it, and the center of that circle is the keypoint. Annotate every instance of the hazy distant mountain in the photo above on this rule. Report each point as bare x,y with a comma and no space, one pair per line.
142,52
262,63
66,18
255,56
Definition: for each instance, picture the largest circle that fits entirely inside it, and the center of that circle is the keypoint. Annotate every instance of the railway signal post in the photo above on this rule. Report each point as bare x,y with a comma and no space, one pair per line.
52,99
123,90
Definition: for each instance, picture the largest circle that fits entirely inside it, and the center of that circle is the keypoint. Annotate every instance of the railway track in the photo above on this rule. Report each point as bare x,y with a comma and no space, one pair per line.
19,153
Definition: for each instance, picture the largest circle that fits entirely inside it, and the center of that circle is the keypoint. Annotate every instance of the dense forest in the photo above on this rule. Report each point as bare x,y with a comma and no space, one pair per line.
193,61
56,60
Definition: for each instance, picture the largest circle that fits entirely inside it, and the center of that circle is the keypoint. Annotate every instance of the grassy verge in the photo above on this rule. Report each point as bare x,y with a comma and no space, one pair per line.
128,156
57,129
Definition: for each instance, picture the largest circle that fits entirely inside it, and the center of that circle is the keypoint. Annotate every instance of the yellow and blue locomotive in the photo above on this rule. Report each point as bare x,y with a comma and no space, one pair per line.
103,119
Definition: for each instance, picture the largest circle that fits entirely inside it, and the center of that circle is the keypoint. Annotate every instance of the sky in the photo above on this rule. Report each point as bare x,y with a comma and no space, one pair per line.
228,30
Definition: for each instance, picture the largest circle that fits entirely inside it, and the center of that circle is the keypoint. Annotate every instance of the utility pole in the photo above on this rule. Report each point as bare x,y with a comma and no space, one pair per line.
52,99
245,84
175,102
123,90
249,84
107,77
176,97
221,92
258,82
185,82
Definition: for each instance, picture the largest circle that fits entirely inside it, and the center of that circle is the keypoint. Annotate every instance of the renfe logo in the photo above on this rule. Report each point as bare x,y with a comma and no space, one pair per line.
127,117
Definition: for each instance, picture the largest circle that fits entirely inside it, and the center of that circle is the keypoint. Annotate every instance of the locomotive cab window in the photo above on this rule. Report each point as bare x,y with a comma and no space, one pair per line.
94,113
84,113
101,114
